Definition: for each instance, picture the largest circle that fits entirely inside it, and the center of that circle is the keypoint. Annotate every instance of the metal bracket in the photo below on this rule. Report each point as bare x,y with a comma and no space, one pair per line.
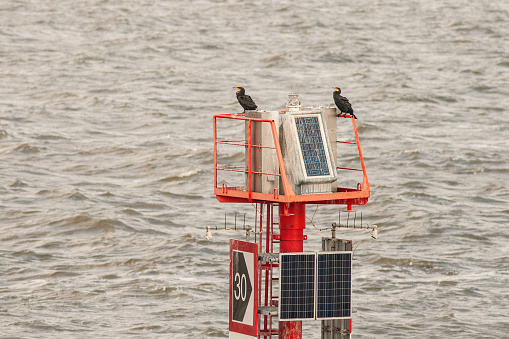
278,237
267,310
268,257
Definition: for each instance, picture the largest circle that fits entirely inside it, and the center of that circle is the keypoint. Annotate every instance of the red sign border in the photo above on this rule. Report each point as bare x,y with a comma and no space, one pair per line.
249,247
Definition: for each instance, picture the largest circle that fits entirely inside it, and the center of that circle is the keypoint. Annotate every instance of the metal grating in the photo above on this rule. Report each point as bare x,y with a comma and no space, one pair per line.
297,286
334,285
312,146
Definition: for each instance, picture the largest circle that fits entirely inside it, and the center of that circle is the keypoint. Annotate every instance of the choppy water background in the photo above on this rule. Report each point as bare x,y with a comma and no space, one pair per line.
106,159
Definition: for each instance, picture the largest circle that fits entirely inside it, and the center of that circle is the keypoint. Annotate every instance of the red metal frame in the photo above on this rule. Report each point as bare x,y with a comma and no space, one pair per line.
344,196
265,275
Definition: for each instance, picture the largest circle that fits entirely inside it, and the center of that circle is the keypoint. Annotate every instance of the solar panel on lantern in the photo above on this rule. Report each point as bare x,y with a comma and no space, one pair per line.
334,285
312,145
297,286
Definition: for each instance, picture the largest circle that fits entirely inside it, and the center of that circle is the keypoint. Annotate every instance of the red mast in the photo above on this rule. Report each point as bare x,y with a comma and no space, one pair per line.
273,181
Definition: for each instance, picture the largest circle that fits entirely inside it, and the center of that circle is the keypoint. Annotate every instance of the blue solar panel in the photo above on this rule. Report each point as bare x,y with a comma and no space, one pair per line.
334,285
312,146
297,286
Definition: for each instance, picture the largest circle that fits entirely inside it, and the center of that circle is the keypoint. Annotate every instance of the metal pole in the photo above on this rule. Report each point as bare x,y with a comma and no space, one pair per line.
215,153
249,164
292,221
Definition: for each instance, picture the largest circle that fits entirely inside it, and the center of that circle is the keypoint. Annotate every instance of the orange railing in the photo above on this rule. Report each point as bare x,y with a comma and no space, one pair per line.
224,193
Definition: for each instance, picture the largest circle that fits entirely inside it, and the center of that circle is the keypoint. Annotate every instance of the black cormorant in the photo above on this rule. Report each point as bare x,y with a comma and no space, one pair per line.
342,102
245,100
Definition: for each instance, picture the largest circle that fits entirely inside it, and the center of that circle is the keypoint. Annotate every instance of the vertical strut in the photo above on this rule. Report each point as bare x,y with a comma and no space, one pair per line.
292,221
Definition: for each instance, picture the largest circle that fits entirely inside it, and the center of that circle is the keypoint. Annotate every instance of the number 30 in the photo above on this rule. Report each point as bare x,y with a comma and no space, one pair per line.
240,287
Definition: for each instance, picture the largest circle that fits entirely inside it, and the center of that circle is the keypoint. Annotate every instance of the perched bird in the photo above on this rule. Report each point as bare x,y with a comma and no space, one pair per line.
245,100
342,102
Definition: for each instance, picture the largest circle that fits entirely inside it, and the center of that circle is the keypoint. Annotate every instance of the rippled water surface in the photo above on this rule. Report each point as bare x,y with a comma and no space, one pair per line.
106,171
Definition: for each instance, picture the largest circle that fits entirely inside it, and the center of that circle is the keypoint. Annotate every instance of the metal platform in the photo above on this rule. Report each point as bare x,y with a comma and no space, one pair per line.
228,192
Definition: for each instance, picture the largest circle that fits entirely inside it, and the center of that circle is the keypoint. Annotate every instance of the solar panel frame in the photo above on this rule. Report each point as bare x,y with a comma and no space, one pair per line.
297,287
313,146
334,285
329,281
